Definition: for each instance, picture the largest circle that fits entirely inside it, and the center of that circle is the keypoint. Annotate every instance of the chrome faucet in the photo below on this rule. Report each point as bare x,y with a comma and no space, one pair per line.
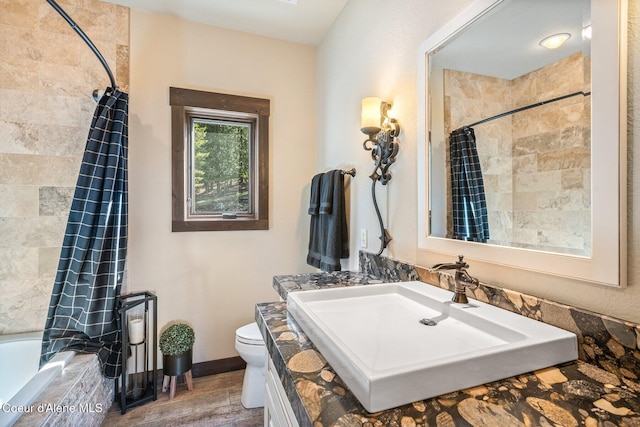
462,279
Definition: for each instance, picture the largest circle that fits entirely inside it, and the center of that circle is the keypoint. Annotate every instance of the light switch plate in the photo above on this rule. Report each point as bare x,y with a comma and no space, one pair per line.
363,238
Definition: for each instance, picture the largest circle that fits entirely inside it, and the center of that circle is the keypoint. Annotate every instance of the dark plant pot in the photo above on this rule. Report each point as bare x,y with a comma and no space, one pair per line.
178,364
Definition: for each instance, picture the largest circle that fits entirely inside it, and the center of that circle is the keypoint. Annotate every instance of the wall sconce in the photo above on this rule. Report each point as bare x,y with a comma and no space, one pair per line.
382,131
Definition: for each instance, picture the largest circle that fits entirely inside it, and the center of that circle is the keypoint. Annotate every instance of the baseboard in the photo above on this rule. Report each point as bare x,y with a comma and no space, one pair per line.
212,367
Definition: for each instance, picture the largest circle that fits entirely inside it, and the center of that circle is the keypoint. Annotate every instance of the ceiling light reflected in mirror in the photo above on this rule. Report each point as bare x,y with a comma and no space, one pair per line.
554,41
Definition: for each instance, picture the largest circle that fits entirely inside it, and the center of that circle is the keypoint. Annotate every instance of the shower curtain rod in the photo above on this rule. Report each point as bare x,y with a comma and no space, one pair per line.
86,40
537,104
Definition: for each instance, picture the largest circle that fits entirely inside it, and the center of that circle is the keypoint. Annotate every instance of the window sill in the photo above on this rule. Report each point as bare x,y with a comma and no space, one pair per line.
220,225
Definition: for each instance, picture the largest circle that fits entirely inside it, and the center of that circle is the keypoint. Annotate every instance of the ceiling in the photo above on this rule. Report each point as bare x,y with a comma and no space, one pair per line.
505,42
301,21
482,48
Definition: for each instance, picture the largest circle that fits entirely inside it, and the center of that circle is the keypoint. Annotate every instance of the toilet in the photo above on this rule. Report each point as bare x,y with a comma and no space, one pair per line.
250,346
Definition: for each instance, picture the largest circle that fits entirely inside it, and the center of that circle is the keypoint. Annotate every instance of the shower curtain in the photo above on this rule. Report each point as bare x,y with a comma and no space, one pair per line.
81,313
470,221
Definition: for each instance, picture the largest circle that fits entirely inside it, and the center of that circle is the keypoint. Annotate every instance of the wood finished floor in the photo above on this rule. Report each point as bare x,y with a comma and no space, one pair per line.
213,402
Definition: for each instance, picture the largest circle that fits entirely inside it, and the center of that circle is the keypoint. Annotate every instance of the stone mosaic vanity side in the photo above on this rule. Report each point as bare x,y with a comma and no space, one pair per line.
279,336
612,344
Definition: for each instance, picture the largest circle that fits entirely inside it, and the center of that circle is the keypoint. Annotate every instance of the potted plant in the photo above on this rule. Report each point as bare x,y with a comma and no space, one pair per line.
176,344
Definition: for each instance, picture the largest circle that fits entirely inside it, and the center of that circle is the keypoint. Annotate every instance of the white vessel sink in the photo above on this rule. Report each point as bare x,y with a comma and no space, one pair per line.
373,338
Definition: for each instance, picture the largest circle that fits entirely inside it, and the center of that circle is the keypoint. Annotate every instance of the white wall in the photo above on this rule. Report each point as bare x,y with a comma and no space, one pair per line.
372,51
214,279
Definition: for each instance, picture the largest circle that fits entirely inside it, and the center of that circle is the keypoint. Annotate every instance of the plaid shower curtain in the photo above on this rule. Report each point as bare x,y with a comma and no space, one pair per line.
81,314
470,220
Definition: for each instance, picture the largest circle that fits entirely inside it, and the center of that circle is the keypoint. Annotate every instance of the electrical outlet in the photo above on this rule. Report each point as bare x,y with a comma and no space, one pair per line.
363,238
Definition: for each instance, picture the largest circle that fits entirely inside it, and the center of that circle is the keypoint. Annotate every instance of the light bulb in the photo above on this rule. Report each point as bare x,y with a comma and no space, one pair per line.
370,123
555,41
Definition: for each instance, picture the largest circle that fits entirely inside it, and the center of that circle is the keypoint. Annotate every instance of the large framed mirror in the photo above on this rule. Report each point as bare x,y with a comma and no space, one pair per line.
522,151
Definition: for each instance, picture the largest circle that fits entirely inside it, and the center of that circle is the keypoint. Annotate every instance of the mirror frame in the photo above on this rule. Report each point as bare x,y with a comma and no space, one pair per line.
607,263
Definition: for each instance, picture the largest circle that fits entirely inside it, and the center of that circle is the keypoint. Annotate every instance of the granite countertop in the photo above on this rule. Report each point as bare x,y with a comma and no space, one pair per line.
571,394
306,282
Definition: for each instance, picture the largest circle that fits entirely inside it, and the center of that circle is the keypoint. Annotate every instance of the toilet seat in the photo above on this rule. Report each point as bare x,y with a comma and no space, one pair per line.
250,335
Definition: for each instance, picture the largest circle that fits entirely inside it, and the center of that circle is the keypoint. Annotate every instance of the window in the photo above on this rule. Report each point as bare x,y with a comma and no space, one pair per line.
219,161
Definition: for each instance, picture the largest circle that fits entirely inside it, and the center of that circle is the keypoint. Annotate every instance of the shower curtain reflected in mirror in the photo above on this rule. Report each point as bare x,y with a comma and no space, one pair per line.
81,313
470,220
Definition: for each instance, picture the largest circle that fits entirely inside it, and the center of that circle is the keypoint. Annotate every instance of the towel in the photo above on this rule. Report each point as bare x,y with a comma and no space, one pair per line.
314,202
326,193
328,233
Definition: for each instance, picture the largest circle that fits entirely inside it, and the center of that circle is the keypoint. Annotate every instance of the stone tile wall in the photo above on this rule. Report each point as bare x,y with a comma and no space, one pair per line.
536,163
473,97
552,159
47,76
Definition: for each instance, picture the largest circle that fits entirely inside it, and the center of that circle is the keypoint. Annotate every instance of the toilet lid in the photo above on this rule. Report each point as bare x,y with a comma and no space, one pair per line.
249,334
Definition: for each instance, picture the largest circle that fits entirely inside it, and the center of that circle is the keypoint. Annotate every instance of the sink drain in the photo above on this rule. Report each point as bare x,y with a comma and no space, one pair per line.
428,322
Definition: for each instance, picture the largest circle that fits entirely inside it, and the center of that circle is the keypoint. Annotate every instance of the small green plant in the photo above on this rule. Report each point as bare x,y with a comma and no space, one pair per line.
177,339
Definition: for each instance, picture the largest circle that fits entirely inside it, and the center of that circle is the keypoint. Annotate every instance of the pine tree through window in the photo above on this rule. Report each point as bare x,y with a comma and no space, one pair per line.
220,168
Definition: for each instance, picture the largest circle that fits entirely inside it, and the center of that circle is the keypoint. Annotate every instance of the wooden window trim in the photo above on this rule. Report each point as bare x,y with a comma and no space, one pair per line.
184,100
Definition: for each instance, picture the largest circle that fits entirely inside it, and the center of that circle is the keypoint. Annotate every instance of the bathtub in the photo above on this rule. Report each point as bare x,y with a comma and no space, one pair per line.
21,382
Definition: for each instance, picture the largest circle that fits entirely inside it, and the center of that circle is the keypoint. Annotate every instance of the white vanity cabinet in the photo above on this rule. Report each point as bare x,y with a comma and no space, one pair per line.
277,409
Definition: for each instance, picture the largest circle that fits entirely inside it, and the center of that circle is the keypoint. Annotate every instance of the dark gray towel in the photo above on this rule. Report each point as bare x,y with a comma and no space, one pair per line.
326,193
314,202
329,236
